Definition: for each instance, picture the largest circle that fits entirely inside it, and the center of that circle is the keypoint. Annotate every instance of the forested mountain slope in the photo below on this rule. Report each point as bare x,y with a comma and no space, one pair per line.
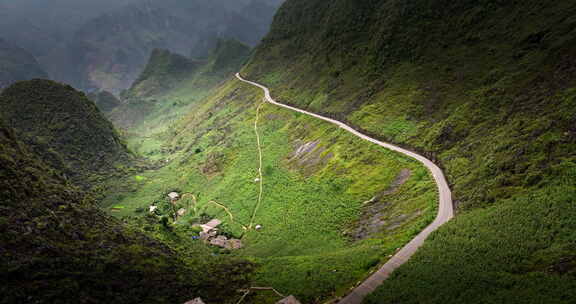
171,85
65,129
486,88
58,247
332,207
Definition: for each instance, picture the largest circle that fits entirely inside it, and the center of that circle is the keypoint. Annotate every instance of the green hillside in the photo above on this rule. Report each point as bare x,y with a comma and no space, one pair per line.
487,88
169,87
319,186
163,71
58,247
326,196
65,129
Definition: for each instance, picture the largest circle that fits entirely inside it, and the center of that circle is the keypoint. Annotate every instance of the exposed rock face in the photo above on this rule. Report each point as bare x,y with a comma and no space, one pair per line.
17,64
309,156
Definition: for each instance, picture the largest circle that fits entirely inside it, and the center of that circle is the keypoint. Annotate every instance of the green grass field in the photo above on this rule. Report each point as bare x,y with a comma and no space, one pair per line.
310,202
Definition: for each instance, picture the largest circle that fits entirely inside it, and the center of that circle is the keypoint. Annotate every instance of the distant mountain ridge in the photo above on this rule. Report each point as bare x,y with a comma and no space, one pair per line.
107,45
16,64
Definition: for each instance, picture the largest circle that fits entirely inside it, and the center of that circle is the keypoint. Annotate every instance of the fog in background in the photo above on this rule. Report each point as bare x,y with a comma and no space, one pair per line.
104,44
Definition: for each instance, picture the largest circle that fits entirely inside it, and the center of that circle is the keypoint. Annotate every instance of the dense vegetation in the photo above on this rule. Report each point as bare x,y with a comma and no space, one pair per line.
16,64
65,129
57,247
487,88
323,198
171,85
164,71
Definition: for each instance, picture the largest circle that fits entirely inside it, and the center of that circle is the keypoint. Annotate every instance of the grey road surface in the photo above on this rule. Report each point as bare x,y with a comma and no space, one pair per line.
445,210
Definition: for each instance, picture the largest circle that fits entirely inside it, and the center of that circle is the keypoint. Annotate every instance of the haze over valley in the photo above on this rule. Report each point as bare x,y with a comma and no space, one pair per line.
287,151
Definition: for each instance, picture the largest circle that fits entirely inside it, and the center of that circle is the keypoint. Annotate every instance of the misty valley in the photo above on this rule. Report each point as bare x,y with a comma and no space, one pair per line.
287,151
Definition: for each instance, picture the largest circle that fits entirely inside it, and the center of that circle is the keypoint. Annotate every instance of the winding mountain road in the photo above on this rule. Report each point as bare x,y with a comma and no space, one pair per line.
445,210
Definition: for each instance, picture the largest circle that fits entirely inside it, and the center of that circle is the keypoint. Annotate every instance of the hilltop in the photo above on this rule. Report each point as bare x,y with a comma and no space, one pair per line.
65,129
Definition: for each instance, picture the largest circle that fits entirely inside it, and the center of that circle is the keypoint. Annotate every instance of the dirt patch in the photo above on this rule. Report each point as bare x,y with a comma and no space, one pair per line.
400,180
375,212
213,165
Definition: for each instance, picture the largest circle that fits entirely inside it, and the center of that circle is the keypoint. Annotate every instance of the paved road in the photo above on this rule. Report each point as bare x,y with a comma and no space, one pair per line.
445,210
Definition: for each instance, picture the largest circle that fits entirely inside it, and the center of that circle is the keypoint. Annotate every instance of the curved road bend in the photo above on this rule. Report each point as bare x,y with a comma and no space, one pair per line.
445,212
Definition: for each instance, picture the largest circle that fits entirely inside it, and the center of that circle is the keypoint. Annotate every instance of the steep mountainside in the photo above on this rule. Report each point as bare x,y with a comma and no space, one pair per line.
112,49
16,64
163,71
228,56
488,89
64,128
45,28
104,100
57,247
331,206
172,85
105,44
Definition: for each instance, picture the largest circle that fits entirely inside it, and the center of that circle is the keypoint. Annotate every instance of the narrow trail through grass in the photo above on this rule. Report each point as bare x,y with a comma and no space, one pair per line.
260,175
229,214
445,210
